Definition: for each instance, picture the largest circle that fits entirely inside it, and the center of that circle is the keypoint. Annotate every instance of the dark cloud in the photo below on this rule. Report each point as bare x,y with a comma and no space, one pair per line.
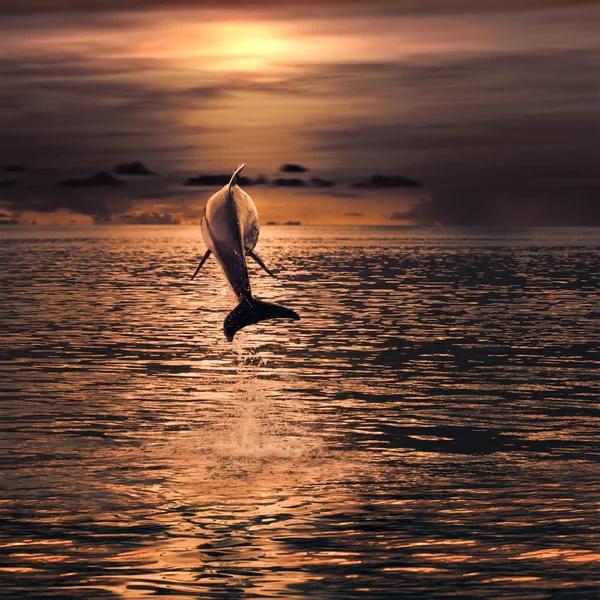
290,182
508,136
383,182
154,218
286,223
424,212
61,112
64,109
505,139
297,182
6,219
292,168
14,168
95,203
320,183
133,168
221,179
100,179
360,5
354,214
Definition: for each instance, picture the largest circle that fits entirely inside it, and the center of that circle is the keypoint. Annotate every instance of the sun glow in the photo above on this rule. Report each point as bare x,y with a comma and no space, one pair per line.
252,45
249,46
222,45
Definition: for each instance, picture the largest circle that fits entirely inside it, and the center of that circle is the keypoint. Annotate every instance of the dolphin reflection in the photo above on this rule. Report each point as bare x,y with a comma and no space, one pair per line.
230,230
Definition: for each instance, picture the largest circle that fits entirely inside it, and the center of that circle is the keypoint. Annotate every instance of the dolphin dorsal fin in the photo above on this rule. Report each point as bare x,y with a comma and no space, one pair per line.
234,177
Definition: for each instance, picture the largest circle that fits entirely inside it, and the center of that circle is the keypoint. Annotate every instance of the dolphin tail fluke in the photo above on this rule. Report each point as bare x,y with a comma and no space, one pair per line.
250,311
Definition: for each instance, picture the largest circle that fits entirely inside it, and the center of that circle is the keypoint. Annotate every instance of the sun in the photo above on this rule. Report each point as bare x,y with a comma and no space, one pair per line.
248,46
220,45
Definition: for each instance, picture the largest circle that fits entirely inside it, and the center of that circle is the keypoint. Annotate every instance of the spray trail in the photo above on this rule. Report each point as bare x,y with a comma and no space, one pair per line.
260,426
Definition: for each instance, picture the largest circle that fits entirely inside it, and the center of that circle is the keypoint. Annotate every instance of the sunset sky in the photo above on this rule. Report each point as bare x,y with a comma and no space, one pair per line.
494,111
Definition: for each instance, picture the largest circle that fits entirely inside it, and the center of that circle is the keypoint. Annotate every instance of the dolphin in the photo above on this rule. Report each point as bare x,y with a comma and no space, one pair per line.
230,231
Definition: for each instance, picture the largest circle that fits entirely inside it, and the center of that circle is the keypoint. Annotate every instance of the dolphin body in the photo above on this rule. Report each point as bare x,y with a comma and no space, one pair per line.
230,230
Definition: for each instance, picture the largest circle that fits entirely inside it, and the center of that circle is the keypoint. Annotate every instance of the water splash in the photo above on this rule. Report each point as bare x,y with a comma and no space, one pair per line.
259,426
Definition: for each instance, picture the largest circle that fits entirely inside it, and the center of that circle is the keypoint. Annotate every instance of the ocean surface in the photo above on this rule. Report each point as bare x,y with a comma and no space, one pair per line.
429,429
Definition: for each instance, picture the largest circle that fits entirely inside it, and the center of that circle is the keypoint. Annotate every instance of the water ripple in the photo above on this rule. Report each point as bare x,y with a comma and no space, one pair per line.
428,429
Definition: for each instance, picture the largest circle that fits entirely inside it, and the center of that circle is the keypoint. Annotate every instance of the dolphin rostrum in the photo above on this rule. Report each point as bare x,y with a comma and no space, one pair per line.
230,230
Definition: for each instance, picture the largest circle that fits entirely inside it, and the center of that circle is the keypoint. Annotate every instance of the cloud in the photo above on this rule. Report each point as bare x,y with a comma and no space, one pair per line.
154,218
424,212
292,168
379,182
395,5
100,179
81,110
297,182
100,203
134,168
502,139
354,214
6,219
502,130
290,182
219,180
321,183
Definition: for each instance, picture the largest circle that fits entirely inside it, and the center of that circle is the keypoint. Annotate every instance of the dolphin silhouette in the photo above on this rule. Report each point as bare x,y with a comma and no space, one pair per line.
230,230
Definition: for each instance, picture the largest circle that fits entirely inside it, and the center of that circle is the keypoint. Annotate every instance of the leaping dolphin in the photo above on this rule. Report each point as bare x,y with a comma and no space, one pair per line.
230,230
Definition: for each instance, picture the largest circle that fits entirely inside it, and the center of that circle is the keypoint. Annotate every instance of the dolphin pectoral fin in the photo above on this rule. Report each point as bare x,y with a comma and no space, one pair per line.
260,262
206,255
250,311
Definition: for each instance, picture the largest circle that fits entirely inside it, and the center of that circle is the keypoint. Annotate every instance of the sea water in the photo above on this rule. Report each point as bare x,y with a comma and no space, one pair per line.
428,429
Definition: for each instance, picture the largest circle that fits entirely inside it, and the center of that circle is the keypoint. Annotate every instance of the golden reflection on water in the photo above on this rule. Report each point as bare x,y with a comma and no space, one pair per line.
427,422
